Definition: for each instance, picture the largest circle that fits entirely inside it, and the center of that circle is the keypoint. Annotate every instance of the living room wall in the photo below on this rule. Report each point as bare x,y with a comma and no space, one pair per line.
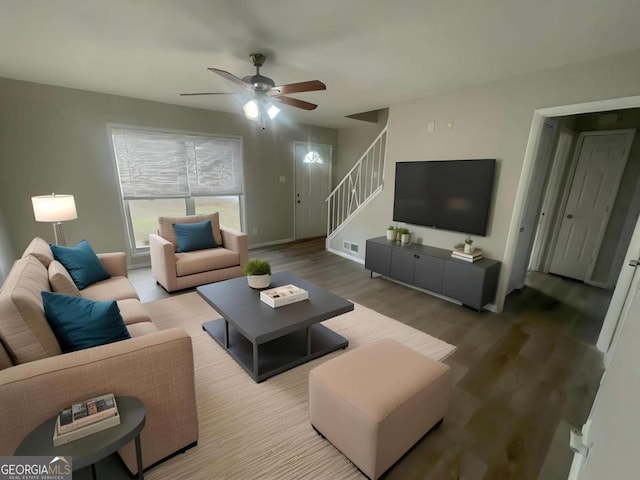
55,139
489,121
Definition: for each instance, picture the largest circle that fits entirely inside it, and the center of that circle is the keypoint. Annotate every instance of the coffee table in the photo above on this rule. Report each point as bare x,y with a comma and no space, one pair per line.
267,341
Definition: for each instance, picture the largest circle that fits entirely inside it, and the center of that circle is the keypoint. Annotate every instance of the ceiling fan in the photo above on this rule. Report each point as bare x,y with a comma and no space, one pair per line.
264,91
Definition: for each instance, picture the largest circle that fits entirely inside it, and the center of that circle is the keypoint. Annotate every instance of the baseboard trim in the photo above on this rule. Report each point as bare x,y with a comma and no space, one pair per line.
268,244
346,255
139,265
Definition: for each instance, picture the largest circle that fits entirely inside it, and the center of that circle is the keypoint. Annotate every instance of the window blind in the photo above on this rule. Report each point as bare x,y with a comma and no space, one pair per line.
161,165
216,167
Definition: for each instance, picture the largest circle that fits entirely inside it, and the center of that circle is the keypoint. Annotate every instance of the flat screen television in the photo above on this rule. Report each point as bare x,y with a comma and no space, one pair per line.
446,194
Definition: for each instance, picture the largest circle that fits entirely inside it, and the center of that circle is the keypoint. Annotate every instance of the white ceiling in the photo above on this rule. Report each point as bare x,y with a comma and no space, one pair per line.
370,53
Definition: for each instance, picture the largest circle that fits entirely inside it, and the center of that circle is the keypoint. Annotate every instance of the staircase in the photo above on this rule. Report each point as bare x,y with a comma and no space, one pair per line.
358,187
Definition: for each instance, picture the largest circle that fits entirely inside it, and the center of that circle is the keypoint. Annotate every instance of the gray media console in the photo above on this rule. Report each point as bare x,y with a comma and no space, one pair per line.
430,268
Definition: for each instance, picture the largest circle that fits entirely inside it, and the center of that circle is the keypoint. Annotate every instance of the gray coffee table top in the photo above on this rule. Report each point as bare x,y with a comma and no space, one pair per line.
258,322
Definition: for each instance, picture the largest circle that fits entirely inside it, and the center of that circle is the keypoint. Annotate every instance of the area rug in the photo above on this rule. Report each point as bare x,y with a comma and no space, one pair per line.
262,431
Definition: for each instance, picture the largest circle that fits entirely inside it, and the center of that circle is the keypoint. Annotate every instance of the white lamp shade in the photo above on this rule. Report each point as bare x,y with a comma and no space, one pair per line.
272,110
54,208
251,110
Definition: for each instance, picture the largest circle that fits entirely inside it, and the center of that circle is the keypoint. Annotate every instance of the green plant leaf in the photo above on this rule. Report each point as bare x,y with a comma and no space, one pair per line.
257,266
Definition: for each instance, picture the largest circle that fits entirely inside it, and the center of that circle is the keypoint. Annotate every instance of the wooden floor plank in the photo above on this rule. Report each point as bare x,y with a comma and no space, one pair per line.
519,377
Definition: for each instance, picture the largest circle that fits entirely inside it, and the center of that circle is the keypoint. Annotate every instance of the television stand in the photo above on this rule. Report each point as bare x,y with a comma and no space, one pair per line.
429,268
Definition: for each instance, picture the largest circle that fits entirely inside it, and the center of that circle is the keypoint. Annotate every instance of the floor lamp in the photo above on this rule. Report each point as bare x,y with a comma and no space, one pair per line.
54,209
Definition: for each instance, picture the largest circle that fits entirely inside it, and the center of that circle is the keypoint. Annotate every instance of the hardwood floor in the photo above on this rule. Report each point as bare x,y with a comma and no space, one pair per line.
521,378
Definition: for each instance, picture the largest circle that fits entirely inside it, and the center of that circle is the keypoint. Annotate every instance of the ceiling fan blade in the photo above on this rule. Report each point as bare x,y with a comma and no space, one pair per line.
209,93
310,86
294,102
229,76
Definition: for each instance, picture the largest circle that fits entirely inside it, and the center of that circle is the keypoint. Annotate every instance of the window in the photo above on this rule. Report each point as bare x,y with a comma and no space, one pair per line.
312,157
173,174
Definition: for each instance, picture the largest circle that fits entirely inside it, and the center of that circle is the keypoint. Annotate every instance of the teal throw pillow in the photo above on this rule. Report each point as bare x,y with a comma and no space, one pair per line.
80,323
82,263
194,236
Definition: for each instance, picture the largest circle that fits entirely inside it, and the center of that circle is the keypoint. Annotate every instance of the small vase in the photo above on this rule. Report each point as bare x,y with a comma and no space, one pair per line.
391,235
405,239
468,248
259,281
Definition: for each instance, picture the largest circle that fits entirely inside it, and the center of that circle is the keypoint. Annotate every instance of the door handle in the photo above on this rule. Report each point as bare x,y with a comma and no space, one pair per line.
569,216
634,263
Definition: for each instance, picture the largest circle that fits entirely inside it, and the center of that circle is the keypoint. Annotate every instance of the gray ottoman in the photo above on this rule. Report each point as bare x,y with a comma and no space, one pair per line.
376,401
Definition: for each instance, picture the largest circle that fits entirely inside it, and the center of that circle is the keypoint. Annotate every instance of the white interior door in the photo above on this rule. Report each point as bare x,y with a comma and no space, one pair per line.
532,207
313,185
551,201
623,286
601,160
611,431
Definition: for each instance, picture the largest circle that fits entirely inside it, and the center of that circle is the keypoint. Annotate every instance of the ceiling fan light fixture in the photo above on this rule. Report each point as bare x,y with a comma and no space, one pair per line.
272,110
251,110
260,89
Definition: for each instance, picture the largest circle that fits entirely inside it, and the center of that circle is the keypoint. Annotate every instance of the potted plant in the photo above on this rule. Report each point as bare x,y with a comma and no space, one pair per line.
258,273
405,236
468,245
391,233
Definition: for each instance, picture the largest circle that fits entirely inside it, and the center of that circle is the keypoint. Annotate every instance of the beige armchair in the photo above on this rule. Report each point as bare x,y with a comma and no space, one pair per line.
177,271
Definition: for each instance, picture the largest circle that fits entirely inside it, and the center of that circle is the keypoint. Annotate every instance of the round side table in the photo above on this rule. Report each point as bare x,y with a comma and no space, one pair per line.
92,448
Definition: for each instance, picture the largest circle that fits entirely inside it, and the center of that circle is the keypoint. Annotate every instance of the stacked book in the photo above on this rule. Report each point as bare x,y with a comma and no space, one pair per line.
82,419
276,297
458,253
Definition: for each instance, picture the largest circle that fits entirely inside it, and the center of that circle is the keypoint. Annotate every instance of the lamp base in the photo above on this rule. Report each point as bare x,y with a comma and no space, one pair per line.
59,234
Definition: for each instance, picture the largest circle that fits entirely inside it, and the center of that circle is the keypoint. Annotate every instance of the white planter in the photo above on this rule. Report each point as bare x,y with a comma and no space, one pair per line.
259,281
405,239
391,235
468,248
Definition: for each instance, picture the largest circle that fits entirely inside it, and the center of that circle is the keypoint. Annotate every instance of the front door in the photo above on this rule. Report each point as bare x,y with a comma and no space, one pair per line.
313,185
601,160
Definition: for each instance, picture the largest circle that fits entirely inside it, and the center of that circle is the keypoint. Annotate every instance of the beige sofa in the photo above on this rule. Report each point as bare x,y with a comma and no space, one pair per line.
177,271
37,380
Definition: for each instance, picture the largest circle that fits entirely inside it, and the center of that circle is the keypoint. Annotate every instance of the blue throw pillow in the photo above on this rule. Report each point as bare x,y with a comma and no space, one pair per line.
80,323
194,236
82,263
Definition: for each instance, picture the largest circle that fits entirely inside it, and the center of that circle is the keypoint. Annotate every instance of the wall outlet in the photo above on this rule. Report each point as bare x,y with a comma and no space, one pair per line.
254,231
431,126
283,179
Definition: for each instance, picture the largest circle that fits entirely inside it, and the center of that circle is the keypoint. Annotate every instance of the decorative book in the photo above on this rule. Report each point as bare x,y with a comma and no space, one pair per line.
469,257
284,295
85,418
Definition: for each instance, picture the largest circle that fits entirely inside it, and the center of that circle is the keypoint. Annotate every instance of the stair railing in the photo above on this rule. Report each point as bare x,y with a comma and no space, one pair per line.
358,187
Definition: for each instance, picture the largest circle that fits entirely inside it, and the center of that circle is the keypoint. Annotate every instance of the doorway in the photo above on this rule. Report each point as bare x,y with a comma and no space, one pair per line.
531,215
312,166
596,116
601,158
